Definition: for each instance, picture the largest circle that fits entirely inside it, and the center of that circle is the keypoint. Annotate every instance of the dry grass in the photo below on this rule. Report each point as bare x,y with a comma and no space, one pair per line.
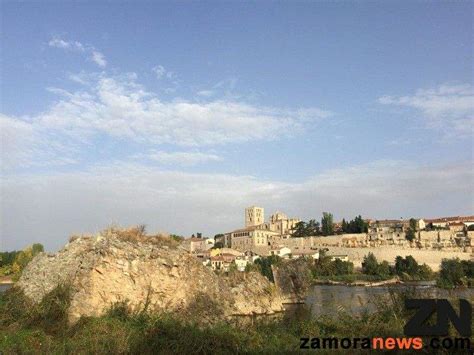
138,234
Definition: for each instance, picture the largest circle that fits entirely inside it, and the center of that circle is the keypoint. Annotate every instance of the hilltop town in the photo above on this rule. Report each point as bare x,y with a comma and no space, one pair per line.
428,240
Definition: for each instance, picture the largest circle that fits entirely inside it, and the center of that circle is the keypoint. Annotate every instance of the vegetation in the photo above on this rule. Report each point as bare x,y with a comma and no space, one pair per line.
25,328
324,266
455,272
264,266
303,229
12,263
408,269
357,225
411,232
327,224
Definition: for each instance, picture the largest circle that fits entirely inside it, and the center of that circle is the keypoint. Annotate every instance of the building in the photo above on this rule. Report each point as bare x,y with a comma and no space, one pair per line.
257,233
254,216
222,261
282,252
250,238
196,245
305,253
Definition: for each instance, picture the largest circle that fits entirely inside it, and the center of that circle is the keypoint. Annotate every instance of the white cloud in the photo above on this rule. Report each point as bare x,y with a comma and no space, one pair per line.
182,158
211,203
206,93
159,71
448,107
122,108
67,45
99,59
75,46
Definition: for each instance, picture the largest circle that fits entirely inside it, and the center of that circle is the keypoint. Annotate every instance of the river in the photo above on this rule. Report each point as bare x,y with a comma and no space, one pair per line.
331,299
4,287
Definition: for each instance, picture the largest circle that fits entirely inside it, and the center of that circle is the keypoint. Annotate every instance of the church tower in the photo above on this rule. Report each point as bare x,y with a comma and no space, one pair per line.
254,216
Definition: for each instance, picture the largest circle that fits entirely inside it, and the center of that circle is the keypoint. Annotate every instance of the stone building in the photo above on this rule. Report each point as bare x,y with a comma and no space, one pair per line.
258,233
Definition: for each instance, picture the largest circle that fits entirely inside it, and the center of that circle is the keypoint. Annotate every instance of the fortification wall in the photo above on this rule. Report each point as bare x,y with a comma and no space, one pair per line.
431,257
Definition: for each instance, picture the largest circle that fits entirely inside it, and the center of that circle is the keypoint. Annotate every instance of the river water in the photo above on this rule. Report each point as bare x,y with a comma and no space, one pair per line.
4,287
332,299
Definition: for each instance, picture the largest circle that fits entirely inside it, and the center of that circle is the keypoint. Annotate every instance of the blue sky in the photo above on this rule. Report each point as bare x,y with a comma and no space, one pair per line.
178,115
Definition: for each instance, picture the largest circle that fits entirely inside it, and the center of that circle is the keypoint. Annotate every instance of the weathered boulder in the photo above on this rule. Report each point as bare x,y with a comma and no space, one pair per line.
105,270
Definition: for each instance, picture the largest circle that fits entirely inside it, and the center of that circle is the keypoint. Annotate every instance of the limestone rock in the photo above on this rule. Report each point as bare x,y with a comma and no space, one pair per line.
106,270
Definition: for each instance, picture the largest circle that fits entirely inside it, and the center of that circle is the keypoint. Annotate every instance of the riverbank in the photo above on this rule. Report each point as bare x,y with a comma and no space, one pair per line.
6,280
43,328
392,281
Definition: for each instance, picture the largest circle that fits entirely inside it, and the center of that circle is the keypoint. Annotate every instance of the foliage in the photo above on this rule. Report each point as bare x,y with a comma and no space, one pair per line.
409,267
370,266
327,225
324,266
265,265
454,272
177,238
120,331
357,225
303,229
13,263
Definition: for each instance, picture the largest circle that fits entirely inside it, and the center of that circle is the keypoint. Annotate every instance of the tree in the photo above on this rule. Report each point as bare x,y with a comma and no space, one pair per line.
299,230
327,226
344,226
451,272
312,228
411,232
370,265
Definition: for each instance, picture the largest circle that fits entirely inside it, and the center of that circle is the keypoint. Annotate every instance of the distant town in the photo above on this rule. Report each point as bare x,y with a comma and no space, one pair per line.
429,240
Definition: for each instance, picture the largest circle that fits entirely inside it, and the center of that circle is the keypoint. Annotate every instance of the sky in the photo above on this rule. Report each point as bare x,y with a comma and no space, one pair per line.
178,115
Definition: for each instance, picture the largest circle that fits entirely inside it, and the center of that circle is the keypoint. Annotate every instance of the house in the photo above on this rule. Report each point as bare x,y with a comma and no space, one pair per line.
282,252
241,263
195,245
339,257
219,251
222,261
305,253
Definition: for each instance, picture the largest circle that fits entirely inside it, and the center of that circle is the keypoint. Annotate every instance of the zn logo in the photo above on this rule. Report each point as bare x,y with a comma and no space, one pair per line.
444,313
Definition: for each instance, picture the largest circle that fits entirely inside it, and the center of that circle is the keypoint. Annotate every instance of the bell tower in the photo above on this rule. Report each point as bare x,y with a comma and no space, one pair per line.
254,216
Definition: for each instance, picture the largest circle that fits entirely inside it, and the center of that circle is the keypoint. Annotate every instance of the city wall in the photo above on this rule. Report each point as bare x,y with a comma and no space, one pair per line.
430,257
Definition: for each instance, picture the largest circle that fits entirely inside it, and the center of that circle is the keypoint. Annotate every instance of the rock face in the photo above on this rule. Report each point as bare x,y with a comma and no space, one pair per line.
293,279
105,270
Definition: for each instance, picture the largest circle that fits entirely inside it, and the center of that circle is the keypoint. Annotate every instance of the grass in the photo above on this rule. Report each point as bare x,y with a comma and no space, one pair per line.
26,328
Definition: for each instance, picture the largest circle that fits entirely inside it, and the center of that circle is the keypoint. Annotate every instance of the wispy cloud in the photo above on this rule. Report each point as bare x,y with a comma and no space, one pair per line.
161,72
182,158
68,45
448,107
99,59
123,110
75,46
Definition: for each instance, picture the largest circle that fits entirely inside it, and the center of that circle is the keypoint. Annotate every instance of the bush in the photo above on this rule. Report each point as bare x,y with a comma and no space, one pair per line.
454,272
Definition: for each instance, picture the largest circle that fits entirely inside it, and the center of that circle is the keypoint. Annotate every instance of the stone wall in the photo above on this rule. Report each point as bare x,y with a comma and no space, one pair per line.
431,257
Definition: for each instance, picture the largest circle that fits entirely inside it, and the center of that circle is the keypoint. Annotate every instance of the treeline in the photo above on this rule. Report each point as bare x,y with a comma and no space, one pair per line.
328,227
12,263
455,272
406,268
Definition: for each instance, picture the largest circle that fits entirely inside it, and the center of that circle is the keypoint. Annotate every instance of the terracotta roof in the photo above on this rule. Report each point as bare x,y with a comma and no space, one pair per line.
450,219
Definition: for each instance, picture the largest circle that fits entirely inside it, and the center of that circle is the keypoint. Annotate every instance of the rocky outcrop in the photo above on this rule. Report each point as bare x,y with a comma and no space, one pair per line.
106,270
293,279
